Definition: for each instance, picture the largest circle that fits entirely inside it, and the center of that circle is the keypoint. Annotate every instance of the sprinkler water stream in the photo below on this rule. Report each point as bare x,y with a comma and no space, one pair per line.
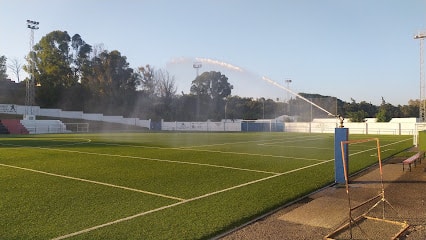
339,117
270,81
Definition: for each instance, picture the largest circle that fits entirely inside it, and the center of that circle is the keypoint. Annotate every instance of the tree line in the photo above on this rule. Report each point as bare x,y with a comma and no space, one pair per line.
72,75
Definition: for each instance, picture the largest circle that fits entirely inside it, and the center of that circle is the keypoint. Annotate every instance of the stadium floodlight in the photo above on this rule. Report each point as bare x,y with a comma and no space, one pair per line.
32,24
30,91
197,66
288,81
422,107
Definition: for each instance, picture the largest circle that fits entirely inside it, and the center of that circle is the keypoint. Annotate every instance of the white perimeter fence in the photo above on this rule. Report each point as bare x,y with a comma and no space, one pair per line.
355,128
202,126
397,126
40,127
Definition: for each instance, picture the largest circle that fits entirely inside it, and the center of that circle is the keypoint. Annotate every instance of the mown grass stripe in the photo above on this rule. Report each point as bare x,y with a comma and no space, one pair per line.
215,151
94,182
162,160
183,202
144,158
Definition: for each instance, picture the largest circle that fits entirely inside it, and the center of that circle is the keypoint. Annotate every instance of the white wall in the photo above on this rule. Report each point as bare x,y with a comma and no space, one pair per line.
397,126
202,126
47,112
44,126
405,126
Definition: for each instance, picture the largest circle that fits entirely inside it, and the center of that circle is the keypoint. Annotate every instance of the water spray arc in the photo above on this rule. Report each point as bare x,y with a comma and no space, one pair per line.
219,63
303,98
341,133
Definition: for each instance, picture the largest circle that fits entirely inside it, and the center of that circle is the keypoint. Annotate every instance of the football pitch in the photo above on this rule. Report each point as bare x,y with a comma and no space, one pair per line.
162,185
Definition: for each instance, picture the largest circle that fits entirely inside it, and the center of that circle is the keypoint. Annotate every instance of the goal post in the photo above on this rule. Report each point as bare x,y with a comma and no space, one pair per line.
77,127
262,125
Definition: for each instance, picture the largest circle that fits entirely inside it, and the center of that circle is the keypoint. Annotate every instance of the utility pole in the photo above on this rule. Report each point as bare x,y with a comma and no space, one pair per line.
422,103
30,91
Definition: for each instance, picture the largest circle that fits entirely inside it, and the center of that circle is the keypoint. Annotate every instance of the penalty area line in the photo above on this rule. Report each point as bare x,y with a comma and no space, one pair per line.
157,160
94,182
214,151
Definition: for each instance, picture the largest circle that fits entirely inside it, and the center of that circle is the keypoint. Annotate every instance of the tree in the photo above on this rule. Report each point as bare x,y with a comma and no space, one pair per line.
59,62
167,91
3,68
156,98
111,83
148,82
385,112
16,67
211,89
410,110
80,55
358,116
212,84
53,63
357,112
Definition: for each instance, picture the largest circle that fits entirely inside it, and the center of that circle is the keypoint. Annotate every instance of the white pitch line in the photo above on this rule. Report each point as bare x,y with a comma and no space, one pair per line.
291,146
213,151
86,140
303,138
161,160
290,141
185,201
145,158
94,182
116,221
375,148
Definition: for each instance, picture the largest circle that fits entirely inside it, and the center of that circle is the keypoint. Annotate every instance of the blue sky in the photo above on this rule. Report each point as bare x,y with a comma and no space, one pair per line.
360,49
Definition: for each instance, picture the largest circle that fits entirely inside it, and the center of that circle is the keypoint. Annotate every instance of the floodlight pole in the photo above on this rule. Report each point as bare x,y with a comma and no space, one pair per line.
197,66
30,92
288,81
422,101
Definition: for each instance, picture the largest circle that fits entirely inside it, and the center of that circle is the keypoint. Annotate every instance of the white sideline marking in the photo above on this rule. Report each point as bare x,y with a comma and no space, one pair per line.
290,141
283,140
277,144
91,181
85,140
145,158
213,151
375,155
161,160
182,202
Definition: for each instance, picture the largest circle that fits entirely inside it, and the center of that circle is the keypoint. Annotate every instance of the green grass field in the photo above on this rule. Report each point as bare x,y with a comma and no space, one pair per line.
161,185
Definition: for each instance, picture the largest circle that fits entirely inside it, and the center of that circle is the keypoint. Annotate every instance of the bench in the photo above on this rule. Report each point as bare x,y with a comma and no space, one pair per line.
413,159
